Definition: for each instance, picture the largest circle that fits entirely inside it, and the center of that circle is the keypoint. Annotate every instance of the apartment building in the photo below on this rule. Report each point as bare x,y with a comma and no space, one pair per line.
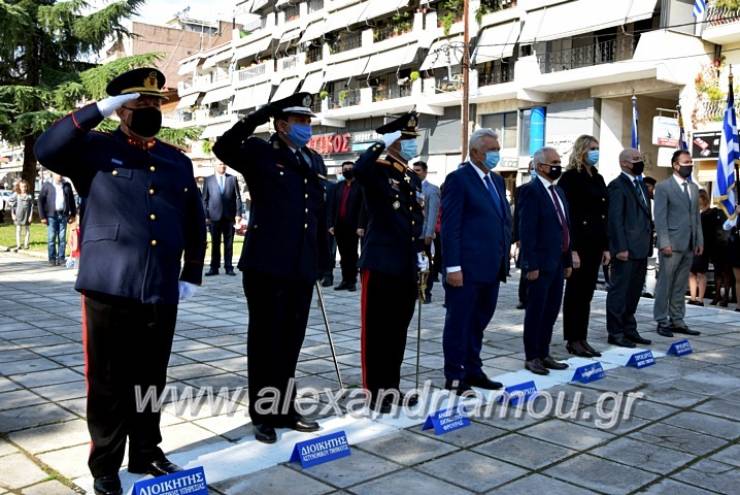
542,72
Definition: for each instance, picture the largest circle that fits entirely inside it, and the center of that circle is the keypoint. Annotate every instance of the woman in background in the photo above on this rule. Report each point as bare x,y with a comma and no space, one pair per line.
21,211
700,263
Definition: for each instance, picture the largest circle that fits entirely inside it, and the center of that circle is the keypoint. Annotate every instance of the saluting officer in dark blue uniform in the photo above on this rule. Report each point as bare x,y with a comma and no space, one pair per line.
390,253
284,245
142,212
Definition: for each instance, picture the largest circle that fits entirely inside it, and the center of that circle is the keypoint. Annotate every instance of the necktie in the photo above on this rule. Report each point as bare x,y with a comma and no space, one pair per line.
686,192
302,160
561,218
640,193
221,183
494,193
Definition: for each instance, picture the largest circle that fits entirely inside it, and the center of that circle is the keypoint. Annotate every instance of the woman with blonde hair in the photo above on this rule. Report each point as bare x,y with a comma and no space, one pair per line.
21,211
586,193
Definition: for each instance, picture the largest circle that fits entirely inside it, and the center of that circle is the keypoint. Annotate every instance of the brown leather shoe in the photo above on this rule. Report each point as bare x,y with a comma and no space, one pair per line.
550,363
576,347
536,366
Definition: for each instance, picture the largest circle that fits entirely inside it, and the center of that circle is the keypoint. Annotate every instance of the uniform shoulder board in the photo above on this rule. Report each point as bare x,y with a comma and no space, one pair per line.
384,163
399,167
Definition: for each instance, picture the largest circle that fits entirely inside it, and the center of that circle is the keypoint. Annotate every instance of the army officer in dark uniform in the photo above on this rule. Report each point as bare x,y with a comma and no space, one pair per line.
142,212
392,244
285,242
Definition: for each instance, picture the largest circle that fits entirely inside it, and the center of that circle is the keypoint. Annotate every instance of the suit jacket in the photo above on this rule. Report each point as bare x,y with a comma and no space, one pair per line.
476,235
394,214
222,206
432,200
48,197
677,220
142,209
630,222
354,204
288,207
588,200
540,230
515,224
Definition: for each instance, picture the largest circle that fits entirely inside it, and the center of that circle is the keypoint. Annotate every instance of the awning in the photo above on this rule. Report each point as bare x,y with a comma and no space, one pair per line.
219,94
218,58
287,87
188,67
444,52
215,130
252,96
314,30
497,42
343,18
258,4
582,16
377,8
313,82
397,57
289,36
187,101
345,70
252,49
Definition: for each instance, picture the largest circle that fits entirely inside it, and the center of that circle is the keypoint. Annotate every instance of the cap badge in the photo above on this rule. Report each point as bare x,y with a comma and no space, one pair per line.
412,121
151,81
307,101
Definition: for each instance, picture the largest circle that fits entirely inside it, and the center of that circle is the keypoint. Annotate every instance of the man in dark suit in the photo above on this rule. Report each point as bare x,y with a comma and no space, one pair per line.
630,244
327,271
142,214
56,209
545,257
343,225
522,289
223,205
282,254
432,242
476,236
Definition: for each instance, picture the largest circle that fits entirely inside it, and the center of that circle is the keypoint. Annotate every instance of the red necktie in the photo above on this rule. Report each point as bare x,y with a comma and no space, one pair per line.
561,218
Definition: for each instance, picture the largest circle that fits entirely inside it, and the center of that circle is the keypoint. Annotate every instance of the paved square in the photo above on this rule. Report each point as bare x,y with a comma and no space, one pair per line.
681,438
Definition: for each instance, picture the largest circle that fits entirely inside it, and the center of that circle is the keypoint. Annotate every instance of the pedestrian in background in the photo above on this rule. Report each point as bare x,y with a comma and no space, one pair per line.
587,196
700,263
343,224
717,247
223,206
432,242
21,211
56,209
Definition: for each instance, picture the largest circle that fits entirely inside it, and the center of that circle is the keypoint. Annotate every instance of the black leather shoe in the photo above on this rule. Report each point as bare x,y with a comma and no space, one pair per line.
264,433
685,330
484,382
521,305
587,346
108,485
231,272
551,364
351,287
536,366
664,330
577,348
457,386
621,341
637,339
160,467
211,272
299,423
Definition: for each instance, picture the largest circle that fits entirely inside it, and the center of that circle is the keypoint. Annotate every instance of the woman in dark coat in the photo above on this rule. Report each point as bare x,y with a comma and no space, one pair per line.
586,193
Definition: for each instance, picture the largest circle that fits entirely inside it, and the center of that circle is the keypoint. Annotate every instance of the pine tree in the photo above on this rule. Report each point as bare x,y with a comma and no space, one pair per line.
43,75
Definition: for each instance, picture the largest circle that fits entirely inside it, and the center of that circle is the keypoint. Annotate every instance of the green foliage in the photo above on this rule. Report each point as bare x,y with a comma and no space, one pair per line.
207,146
727,4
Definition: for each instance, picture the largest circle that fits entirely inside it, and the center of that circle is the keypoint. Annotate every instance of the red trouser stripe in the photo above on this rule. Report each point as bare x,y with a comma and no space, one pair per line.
364,281
84,352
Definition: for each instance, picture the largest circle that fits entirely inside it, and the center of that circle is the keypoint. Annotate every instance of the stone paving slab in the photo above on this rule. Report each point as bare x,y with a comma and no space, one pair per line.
683,437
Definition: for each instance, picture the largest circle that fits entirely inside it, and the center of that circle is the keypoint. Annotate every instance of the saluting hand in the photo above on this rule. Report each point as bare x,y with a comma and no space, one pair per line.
107,106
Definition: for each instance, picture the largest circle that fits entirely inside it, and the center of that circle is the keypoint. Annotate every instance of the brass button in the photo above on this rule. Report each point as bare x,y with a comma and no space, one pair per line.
305,225
585,222
152,168
282,173
410,208
115,172
154,242
151,191
413,239
306,196
152,216
413,223
186,189
306,210
603,200
305,181
603,217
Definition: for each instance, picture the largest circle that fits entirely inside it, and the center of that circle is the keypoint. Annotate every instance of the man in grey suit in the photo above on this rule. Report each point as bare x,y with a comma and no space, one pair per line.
432,199
678,225
630,239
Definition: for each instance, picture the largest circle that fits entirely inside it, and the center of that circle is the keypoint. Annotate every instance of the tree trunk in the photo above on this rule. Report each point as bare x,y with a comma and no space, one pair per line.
29,163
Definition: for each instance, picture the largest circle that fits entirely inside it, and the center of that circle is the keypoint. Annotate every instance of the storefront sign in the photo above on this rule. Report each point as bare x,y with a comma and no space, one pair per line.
665,131
705,145
331,144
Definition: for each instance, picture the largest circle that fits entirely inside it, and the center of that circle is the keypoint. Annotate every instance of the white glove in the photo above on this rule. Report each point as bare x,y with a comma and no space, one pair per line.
390,138
187,290
422,262
109,105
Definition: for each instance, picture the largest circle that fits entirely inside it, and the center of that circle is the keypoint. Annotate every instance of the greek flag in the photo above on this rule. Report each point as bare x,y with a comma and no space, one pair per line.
682,144
700,6
728,153
635,132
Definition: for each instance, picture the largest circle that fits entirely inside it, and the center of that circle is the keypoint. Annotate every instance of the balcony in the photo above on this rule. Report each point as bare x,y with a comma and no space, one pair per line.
392,30
382,93
347,41
711,110
253,74
288,63
722,25
495,73
344,98
605,52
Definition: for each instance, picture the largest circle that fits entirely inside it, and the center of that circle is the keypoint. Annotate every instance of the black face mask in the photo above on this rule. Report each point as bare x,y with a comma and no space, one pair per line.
554,172
348,174
146,122
685,170
638,168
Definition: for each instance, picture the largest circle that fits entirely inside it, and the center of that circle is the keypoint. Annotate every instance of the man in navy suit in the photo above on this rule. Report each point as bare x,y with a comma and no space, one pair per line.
223,205
544,231
476,234
56,210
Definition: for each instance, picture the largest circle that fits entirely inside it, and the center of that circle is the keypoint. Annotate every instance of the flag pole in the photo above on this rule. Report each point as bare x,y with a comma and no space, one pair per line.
466,80
730,77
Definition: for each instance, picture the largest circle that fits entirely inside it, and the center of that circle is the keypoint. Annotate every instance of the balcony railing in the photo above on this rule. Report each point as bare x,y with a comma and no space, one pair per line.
345,98
497,74
712,110
314,54
718,16
251,72
585,56
288,63
446,85
391,92
392,30
347,41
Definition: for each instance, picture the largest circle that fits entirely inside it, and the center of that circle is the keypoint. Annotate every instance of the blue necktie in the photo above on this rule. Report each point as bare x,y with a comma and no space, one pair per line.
221,183
494,194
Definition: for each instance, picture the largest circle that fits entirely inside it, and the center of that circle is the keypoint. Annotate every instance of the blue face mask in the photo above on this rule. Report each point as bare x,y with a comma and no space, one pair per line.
299,134
492,159
408,149
592,157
